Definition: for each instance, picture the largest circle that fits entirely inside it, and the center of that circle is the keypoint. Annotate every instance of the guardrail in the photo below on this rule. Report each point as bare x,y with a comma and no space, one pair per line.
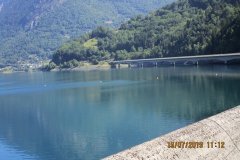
225,58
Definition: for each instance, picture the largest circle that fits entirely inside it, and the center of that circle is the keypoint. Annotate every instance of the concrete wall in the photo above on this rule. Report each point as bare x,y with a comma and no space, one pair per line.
224,127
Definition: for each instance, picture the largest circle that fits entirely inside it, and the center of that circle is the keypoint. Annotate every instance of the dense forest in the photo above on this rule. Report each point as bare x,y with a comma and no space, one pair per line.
185,27
35,29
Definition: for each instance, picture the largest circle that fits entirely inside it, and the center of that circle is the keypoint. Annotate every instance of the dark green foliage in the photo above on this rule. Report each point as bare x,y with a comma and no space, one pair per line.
186,27
50,66
70,64
34,27
228,39
76,50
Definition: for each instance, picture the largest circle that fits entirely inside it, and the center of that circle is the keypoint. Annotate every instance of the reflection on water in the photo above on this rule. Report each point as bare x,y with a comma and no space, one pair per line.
12,154
90,115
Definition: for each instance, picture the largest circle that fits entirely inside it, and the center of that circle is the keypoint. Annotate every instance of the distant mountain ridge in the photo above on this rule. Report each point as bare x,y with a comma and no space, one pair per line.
33,29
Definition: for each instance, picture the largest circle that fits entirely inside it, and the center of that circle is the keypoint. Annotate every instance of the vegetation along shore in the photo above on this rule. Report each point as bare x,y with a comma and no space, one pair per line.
183,28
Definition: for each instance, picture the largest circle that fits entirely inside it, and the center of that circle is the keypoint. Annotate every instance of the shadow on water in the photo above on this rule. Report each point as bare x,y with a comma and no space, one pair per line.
89,115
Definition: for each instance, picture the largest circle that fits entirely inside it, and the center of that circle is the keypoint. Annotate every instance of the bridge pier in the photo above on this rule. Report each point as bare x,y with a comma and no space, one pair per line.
155,64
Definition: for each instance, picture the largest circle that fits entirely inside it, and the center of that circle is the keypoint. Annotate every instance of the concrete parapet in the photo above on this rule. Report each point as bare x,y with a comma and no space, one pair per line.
217,137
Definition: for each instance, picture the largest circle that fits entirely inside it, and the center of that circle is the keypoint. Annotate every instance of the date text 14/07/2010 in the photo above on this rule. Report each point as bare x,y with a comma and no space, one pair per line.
181,144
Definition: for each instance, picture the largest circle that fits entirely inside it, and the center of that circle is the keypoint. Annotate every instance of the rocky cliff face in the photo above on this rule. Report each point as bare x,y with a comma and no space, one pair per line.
25,13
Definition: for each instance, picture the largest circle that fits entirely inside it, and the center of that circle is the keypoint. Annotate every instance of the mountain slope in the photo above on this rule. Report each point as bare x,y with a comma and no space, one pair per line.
38,27
228,39
186,27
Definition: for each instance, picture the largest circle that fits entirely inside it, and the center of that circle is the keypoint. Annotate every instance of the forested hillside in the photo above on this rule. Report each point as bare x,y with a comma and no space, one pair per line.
34,29
186,27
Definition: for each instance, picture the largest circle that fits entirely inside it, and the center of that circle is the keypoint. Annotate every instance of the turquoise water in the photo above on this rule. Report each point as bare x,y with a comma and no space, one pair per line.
90,115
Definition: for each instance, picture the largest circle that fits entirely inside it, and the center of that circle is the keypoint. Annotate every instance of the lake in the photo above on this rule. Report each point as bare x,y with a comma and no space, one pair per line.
93,114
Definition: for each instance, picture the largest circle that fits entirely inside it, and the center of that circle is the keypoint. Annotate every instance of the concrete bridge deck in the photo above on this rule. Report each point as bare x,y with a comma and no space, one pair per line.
222,129
195,59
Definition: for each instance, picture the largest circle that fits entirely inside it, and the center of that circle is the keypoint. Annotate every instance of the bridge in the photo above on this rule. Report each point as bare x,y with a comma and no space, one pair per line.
184,60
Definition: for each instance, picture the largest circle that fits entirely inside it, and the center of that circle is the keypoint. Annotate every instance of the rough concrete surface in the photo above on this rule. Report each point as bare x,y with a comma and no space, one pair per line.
223,127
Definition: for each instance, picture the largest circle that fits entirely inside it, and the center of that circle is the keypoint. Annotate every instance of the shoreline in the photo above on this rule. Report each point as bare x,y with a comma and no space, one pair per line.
83,68
102,67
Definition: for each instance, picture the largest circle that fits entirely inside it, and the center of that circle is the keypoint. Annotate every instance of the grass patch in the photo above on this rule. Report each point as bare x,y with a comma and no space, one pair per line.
91,43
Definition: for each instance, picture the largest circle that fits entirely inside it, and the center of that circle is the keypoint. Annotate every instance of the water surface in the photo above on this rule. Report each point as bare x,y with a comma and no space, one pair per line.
90,115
